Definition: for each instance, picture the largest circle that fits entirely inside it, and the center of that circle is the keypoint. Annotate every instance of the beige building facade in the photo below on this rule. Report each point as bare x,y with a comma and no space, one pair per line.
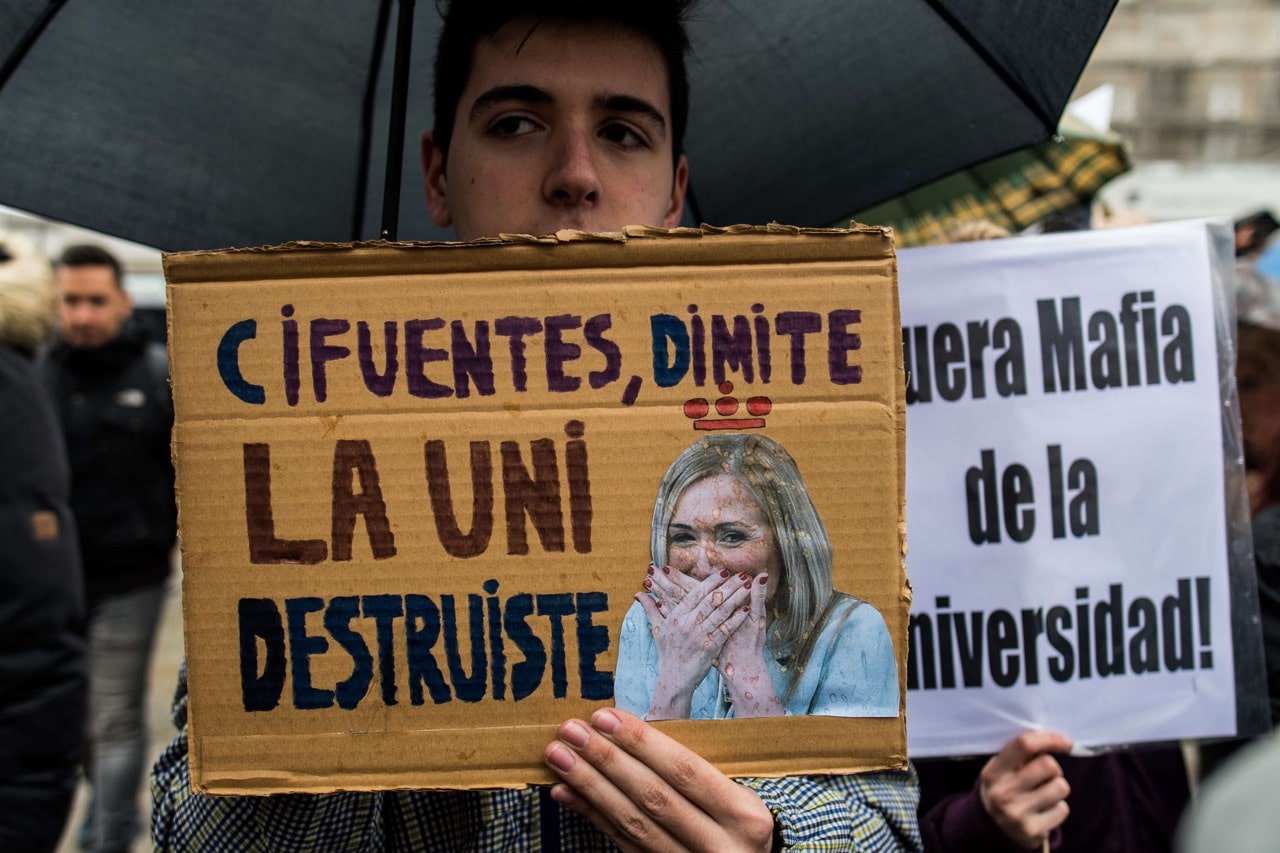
1197,94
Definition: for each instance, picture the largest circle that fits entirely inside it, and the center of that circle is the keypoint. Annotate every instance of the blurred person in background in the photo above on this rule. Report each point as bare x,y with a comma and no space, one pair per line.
1258,384
1266,554
1234,811
1258,387
110,387
1257,294
43,667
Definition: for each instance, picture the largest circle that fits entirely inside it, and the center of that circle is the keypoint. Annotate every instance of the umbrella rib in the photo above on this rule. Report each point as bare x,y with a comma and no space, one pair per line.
28,39
395,133
1050,123
366,118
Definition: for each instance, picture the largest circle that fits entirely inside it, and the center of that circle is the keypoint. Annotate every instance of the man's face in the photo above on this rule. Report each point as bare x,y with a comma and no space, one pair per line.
92,308
571,130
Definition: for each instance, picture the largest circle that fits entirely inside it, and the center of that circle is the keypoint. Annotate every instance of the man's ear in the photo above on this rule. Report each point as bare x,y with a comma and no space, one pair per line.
436,184
678,188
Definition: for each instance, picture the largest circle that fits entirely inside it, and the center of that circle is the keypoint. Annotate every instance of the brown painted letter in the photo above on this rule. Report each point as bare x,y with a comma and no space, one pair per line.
451,536
539,496
264,547
356,457
575,455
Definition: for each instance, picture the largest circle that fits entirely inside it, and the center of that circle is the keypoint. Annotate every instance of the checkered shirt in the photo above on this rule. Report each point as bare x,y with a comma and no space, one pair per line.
865,812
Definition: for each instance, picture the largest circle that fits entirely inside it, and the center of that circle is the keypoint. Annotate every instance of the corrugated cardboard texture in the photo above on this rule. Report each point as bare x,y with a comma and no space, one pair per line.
283,445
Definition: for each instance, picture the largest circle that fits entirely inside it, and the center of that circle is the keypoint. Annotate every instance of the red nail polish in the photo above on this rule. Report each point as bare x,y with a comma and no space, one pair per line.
742,576
747,585
746,608
666,570
724,573
648,584
762,580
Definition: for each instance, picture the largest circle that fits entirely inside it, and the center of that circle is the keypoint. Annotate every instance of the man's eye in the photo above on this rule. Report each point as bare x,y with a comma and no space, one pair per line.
513,126
623,135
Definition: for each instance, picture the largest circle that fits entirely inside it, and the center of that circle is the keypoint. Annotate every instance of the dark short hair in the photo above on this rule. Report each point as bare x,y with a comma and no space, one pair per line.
467,21
86,255
1261,226
1076,218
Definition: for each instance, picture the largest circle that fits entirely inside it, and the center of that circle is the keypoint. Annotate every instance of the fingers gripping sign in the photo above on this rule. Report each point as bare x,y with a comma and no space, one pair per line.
690,622
647,791
1023,789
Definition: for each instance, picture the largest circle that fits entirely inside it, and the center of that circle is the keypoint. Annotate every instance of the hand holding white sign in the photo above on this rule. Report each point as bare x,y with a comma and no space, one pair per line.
1023,789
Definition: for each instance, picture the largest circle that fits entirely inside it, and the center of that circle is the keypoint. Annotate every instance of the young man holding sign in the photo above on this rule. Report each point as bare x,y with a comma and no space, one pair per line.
550,116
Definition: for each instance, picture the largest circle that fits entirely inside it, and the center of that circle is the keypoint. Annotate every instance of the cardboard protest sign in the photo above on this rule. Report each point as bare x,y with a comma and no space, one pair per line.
1070,553
417,489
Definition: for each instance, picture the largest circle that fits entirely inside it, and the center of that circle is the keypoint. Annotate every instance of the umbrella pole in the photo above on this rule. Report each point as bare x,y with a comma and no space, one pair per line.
366,119
395,134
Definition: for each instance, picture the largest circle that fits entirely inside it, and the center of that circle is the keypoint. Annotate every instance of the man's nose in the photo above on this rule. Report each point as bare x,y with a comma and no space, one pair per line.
571,177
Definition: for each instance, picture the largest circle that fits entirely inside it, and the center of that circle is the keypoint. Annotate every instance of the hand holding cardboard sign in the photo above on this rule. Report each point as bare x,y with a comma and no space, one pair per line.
690,622
1023,789
649,792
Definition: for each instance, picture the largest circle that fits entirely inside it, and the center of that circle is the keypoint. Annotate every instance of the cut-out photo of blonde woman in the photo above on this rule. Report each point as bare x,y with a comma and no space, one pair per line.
739,616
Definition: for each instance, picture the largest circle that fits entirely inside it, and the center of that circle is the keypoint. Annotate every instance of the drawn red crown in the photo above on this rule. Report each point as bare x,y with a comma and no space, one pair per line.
726,408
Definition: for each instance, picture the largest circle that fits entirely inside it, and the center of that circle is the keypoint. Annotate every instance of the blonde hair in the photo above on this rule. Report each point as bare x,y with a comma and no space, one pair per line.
27,306
767,471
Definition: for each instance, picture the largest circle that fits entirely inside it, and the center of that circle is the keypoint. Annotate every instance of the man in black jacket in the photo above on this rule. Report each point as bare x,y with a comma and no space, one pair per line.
110,387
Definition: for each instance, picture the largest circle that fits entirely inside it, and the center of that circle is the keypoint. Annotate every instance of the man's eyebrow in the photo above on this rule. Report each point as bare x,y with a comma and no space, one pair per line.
632,104
533,95
501,94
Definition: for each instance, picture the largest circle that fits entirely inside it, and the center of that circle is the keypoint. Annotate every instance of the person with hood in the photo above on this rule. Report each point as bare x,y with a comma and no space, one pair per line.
110,386
43,668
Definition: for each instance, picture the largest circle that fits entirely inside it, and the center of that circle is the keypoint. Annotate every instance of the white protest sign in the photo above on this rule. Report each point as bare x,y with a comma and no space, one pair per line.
1065,498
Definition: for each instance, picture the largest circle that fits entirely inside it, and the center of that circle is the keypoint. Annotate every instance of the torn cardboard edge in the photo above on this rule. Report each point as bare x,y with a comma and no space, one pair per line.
647,246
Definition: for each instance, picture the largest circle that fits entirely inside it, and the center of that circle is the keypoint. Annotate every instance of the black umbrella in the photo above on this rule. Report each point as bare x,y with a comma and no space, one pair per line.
201,125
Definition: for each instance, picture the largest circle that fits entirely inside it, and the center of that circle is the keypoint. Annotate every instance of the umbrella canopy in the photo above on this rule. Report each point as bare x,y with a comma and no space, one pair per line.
200,125
1015,191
